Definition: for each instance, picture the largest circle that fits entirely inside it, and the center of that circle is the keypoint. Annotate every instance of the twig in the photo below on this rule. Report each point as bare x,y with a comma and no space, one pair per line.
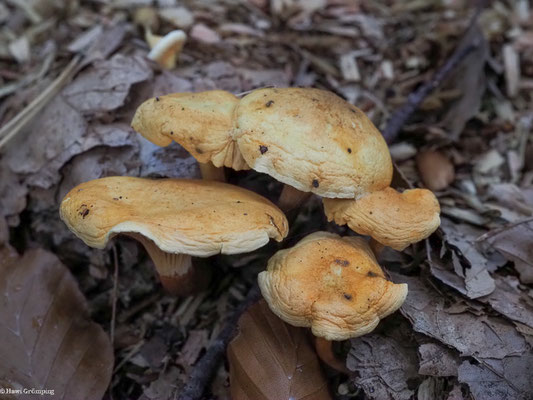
400,116
114,295
206,367
15,125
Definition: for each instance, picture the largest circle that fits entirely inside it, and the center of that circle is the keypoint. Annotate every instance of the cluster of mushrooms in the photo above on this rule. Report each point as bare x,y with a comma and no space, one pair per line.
312,141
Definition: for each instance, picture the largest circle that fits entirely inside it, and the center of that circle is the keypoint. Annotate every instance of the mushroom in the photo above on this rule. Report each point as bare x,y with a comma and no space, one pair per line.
165,49
174,219
200,122
309,139
331,284
391,218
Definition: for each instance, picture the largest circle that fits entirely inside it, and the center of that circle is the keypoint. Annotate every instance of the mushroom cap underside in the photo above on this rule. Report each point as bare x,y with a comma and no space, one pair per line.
331,284
195,217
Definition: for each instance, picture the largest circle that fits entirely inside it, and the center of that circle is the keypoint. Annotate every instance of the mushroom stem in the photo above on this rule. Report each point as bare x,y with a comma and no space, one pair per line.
176,272
376,247
291,198
324,350
211,173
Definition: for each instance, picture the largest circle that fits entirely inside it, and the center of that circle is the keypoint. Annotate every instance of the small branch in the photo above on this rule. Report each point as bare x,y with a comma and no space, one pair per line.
400,116
205,368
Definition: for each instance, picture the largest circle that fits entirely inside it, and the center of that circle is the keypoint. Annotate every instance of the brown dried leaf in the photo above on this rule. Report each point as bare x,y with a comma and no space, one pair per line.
470,78
383,365
511,383
48,340
510,301
436,170
477,279
106,86
270,360
481,337
514,243
437,360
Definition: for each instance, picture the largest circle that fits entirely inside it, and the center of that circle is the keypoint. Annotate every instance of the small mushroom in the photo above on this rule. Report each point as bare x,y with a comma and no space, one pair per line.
391,218
165,49
174,219
331,284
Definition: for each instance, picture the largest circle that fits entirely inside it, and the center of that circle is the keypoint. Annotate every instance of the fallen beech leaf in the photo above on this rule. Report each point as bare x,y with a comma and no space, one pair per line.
48,341
436,170
270,360
514,243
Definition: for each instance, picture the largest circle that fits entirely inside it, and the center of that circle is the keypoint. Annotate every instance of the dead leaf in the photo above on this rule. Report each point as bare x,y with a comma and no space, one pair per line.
514,243
462,237
198,340
105,86
203,33
437,360
48,341
481,337
510,301
470,78
484,384
383,365
271,360
436,170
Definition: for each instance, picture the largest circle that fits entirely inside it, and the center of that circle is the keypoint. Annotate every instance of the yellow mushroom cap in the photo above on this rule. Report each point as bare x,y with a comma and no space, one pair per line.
331,284
391,218
166,49
312,140
200,122
195,217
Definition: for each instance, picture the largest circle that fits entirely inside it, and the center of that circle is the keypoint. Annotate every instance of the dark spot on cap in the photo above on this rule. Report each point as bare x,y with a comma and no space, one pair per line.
199,150
371,274
157,99
314,99
182,108
315,183
269,103
342,263
238,201
120,197
347,296
370,212
349,150
245,214
85,213
263,149
352,110
115,198
171,132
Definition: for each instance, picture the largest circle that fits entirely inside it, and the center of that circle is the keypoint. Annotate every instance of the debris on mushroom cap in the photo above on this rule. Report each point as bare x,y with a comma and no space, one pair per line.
316,141
165,49
393,219
310,139
332,284
200,122
195,217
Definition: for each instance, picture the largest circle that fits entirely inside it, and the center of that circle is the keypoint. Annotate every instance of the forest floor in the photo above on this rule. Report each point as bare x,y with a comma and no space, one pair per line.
73,73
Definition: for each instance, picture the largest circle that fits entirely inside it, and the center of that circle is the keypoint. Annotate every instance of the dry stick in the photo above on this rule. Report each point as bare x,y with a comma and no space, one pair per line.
114,295
205,368
400,116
